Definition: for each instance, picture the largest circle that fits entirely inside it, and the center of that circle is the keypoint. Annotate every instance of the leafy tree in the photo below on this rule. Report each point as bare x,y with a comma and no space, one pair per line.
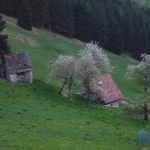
25,16
142,70
4,48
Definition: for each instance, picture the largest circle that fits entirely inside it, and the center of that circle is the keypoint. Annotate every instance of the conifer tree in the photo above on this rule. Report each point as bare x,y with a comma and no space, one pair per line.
16,7
4,48
25,16
57,15
84,21
44,13
6,7
40,12
127,32
62,17
142,45
35,6
115,39
101,25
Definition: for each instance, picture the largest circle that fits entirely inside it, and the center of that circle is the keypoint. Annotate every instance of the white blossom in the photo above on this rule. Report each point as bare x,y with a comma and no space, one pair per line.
63,67
143,70
92,62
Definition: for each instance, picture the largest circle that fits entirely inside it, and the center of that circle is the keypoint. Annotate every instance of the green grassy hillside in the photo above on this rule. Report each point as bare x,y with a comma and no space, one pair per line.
43,47
35,117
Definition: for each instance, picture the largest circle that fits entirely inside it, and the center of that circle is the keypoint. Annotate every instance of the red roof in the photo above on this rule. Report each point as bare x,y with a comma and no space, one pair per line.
10,54
108,85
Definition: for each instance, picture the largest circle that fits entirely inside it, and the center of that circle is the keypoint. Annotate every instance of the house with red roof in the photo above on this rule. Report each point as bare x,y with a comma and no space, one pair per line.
112,93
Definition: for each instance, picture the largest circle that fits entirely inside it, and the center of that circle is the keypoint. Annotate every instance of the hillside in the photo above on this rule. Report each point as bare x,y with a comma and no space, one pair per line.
35,116
44,46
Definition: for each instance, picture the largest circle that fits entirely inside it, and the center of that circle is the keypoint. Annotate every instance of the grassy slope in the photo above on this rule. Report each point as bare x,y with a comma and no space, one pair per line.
36,117
43,47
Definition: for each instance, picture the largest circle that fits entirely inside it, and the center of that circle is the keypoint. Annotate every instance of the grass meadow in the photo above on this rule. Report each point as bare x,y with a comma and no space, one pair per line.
35,117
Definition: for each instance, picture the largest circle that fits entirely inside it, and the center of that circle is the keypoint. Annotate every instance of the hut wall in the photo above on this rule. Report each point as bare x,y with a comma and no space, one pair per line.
114,104
20,77
12,78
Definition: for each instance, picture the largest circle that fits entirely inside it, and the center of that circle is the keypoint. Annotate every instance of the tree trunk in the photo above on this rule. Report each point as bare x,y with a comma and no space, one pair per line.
63,86
145,111
71,82
146,87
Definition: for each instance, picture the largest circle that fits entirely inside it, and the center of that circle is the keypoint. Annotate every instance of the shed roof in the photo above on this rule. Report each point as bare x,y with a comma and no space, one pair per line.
108,85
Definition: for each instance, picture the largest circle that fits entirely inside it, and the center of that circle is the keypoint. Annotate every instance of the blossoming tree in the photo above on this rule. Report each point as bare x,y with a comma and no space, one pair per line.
143,70
63,68
92,62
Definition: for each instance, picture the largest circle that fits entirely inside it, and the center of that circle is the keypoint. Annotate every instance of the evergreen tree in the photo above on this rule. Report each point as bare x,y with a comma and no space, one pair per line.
40,12
142,45
44,13
25,16
115,43
136,30
6,7
62,17
57,15
35,6
69,22
127,33
16,7
101,25
4,48
84,21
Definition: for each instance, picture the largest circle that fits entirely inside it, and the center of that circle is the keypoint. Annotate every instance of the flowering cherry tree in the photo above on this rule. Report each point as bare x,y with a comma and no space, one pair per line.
63,68
98,55
143,70
92,62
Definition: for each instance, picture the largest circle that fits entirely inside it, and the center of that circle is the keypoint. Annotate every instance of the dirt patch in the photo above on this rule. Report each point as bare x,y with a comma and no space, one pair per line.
10,20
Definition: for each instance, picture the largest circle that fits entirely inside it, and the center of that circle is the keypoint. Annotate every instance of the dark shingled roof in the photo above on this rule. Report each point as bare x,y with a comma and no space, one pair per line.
17,62
108,85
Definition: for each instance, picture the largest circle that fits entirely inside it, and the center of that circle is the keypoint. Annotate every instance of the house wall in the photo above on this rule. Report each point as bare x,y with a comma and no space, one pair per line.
20,77
114,104
12,78
28,77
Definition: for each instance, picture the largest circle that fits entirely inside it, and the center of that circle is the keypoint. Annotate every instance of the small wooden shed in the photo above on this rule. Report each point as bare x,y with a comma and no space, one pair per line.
113,95
16,67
